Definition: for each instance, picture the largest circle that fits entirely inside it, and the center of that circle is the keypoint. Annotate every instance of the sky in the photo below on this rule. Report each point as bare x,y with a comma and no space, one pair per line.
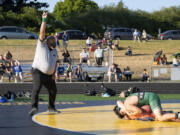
146,5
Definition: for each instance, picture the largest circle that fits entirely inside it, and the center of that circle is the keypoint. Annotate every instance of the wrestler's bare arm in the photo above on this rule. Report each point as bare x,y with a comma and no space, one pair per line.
131,106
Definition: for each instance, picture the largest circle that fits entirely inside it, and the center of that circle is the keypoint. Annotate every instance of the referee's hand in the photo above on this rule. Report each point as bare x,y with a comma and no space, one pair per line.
53,76
44,15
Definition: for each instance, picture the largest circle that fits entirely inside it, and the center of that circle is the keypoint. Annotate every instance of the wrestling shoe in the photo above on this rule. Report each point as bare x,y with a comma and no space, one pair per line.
33,111
53,110
178,116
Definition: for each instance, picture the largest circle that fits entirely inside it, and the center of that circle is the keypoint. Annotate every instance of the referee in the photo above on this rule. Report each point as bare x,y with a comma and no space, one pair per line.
44,68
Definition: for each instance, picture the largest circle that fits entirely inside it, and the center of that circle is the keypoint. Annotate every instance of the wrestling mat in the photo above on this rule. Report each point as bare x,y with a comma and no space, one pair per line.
101,120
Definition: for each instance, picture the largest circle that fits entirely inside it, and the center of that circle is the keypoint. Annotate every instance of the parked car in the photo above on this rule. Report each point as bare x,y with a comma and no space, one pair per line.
76,34
13,32
170,35
121,33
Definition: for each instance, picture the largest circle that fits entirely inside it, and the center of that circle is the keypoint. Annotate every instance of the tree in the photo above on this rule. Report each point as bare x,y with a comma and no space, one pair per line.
70,8
16,6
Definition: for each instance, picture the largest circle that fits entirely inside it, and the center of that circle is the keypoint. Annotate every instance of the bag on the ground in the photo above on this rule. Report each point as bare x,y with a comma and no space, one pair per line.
10,95
108,91
90,93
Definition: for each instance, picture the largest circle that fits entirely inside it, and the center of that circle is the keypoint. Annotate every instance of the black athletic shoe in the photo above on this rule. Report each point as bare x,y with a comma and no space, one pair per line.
53,110
33,111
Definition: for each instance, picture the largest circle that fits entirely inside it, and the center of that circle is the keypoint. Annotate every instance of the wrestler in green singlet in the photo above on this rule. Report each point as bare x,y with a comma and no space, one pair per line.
148,98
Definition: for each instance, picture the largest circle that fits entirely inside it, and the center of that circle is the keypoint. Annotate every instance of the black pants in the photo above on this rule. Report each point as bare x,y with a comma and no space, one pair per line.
99,60
40,79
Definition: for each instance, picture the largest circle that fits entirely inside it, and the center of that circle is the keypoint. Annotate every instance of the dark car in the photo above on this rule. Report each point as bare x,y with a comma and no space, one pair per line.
170,35
76,34
13,32
121,33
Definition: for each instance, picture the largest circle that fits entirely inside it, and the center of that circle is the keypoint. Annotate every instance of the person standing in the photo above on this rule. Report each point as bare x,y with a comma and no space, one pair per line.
99,55
44,69
65,39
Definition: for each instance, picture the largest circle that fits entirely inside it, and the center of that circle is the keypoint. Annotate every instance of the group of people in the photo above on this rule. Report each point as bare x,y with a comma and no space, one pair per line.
137,36
116,74
67,73
161,60
10,68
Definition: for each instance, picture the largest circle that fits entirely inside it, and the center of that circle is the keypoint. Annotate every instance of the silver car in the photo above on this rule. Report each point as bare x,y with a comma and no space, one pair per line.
13,32
121,33
170,35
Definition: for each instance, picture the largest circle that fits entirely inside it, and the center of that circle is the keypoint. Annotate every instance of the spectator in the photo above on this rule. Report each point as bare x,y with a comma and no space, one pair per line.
164,60
60,72
17,71
57,40
79,72
8,56
175,61
66,55
65,39
69,72
9,71
158,60
98,43
136,36
119,73
89,42
92,48
99,55
129,51
144,35
2,60
115,46
112,73
145,76
84,57
110,43
104,42
128,73
2,71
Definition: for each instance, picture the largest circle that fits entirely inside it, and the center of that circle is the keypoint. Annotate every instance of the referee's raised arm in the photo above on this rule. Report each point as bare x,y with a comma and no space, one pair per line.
43,26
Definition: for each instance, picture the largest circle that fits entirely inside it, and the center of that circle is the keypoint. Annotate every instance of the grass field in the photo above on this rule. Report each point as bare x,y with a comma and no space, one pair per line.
80,97
142,52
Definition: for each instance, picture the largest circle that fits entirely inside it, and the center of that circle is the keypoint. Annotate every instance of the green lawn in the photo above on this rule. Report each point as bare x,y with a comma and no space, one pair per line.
80,97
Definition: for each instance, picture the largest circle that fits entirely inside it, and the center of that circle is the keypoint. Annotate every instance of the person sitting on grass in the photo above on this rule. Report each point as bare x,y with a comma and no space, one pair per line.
84,57
145,76
60,72
176,61
130,108
17,71
129,51
164,59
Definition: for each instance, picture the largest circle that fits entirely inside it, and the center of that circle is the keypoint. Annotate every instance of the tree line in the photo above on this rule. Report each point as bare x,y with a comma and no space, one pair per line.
85,15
